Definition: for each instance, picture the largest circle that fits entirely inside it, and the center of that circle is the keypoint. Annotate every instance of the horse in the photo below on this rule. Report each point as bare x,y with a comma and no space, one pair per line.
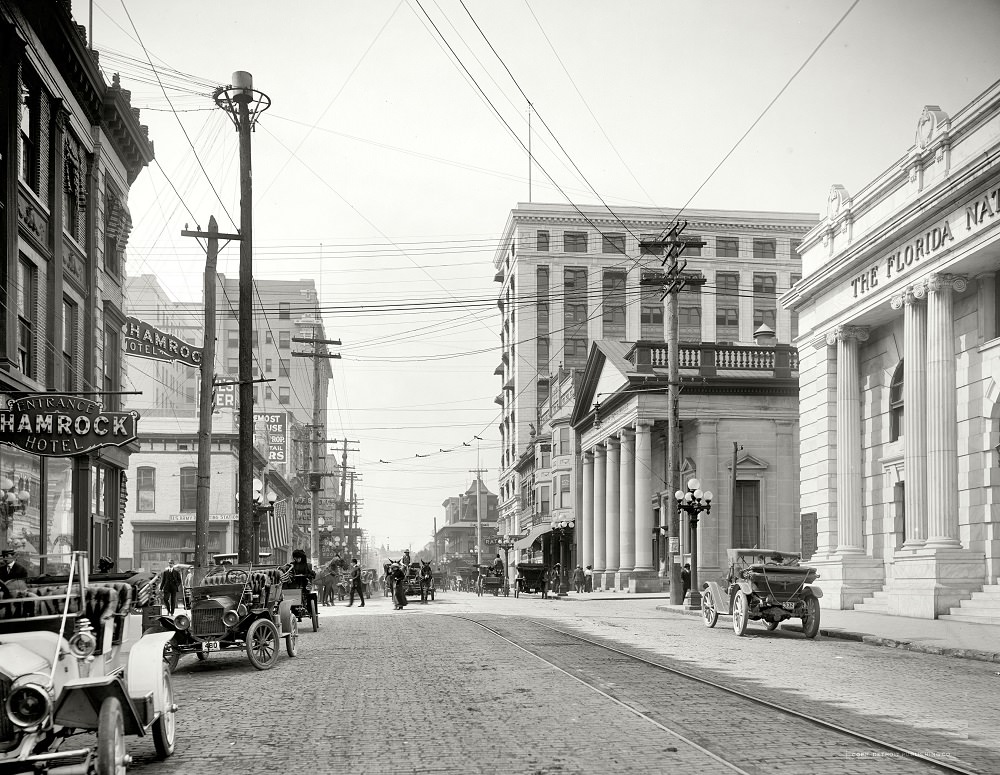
426,580
326,580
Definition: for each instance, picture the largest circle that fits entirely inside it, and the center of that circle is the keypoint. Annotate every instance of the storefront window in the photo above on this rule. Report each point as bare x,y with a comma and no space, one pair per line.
20,509
59,511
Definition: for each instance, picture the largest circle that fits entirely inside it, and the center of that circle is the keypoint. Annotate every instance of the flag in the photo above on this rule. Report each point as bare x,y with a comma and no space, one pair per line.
277,524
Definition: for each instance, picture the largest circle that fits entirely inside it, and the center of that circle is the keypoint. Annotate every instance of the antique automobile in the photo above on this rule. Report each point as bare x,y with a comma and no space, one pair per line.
764,585
233,607
302,598
72,661
530,578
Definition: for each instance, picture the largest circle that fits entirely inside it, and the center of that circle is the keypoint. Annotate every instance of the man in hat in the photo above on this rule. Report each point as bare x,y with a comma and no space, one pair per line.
170,584
15,578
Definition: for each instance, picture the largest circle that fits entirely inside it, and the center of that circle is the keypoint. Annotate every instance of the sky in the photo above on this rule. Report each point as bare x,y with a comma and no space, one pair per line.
394,149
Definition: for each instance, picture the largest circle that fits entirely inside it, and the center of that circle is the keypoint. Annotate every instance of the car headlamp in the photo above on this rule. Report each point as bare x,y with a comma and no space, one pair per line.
28,704
82,644
182,621
230,618
241,610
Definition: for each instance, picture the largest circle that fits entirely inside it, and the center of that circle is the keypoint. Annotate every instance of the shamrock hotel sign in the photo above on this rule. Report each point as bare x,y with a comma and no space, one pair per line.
60,425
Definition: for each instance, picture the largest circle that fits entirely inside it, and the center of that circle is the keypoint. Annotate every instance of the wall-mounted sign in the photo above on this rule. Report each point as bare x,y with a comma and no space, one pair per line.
499,539
226,397
58,425
674,545
189,516
275,431
144,341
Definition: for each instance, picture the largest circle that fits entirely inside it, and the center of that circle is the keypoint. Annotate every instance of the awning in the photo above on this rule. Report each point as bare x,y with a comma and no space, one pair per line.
528,540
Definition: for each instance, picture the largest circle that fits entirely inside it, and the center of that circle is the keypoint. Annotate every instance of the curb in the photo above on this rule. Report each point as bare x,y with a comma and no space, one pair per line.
876,640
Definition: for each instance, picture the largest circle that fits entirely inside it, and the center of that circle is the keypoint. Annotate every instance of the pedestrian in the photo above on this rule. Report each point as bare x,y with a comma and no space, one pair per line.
356,583
588,579
579,580
170,584
685,580
498,565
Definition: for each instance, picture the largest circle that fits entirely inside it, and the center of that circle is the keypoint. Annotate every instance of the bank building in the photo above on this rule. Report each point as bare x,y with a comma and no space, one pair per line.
899,389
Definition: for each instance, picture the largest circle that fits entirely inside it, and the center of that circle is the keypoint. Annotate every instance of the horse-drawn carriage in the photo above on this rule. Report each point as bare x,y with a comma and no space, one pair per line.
420,581
490,580
531,577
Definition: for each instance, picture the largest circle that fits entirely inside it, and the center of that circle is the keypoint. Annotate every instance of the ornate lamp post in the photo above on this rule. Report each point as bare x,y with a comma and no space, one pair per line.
258,509
694,502
563,532
506,543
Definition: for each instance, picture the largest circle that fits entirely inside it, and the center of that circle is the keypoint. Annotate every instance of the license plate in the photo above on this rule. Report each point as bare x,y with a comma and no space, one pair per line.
789,606
210,645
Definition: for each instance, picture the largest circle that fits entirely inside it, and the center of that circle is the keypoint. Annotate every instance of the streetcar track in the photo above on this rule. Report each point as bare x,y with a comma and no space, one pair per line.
595,685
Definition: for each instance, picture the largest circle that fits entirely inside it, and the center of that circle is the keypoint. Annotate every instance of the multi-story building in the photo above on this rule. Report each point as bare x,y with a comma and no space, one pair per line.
71,147
464,525
572,294
900,348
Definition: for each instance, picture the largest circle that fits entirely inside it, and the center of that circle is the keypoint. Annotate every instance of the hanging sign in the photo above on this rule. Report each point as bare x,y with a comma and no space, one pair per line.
144,341
58,425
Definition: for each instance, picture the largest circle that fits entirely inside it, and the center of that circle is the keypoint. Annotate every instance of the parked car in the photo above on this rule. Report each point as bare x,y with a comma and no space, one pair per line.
764,585
72,660
233,607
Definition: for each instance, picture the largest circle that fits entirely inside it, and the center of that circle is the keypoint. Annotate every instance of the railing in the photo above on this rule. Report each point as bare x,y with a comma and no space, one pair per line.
708,358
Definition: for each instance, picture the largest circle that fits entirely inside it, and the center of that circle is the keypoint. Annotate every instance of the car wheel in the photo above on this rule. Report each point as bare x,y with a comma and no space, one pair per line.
262,644
171,656
810,622
110,738
741,612
315,615
165,726
292,639
771,626
708,610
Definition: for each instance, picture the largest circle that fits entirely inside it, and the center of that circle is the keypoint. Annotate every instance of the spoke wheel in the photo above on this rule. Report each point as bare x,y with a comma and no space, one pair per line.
165,726
262,644
292,639
709,613
171,656
111,758
314,613
741,612
810,622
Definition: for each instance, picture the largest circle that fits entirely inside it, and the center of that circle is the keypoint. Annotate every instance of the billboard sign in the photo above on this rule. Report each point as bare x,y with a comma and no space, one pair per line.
144,341
57,425
275,433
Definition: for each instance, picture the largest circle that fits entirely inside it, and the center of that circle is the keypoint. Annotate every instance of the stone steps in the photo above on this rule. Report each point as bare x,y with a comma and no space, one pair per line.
877,604
982,608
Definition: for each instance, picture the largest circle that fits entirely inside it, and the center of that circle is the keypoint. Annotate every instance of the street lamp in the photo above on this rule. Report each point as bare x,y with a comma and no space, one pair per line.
12,501
506,544
258,509
563,531
694,502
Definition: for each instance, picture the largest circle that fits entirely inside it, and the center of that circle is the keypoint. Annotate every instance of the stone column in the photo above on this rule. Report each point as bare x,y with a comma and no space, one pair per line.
914,412
849,461
643,496
613,508
587,513
626,487
600,506
942,419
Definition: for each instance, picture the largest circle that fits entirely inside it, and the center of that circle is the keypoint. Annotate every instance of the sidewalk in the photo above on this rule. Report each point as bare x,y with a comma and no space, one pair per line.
930,636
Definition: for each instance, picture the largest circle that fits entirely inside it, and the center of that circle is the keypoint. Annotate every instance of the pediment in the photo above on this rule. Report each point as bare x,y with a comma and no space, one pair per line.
748,463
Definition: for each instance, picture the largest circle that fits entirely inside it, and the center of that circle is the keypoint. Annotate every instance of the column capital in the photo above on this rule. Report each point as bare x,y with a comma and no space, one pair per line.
625,433
644,424
588,457
613,441
911,294
845,333
940,283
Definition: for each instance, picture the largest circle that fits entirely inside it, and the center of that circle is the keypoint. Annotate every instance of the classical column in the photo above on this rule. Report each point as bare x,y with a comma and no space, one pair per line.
626,532
586,531
849,461
613,509
914,412
643,496
600,506
942,414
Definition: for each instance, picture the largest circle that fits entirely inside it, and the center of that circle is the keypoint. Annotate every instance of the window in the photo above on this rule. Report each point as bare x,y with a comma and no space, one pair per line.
563,441
189,489
575,241
565,500
726,247
650,245
765,302
27,294
284,395
28,169
727,309
268,339
268,393
542,241
233,337
613,243
145,489
613,316
764,248
69,343
651,313
689,314
692,250
284,367
112,366
284,310
268,365
746,515
233,365
284,339
542,354
544,500
896,404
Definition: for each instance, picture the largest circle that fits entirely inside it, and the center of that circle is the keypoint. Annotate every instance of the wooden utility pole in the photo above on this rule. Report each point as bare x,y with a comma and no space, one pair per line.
207,388
479,509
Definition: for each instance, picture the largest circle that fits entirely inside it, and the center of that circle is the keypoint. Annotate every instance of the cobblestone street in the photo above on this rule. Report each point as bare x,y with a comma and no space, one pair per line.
376,691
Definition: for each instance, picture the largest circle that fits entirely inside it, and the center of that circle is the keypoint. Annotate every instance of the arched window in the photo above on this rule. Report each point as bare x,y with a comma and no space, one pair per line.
896,404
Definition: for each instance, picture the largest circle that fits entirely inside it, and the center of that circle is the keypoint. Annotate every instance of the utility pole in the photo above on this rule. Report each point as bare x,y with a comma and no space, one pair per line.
318,353
244,104
672,282
206,391
479,509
